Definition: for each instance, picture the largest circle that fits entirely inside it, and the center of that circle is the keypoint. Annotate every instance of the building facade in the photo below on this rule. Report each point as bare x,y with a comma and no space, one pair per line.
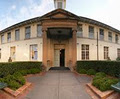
59,38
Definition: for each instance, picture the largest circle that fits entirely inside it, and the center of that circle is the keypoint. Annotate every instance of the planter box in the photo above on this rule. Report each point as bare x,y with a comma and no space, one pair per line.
18,91
102,95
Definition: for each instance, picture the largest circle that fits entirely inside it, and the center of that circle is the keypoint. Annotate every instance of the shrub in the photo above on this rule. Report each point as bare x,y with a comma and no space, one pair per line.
82,71
10,68
14,85
2,80
118,59
103,83
101,74
91,72
111,68
23,72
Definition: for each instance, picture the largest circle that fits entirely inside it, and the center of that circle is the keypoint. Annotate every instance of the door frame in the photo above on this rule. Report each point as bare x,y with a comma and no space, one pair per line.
58,47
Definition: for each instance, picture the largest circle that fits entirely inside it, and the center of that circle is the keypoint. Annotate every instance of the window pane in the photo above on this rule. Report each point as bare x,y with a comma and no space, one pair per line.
60,5
101,34
79,31
0,53
39,31
110,36
2,38
91,32
9,37
116,38
33,52
106,52
27,32
85,52
17,33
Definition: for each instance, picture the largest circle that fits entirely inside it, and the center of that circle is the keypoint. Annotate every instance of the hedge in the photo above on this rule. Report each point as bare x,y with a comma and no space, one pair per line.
10,68
109,67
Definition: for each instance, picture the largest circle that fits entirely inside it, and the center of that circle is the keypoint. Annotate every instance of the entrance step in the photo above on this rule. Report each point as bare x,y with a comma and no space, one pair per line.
59,68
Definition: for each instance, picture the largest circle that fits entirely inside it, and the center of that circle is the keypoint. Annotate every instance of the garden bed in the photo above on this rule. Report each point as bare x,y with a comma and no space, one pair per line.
18,91
102,95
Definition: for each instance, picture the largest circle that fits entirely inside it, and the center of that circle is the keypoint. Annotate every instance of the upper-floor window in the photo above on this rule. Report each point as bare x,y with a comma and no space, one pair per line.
17,35
116,38
91,32
110,36
9,37
106,52
101,31
39,31
85,52
2,38
80,31
27,32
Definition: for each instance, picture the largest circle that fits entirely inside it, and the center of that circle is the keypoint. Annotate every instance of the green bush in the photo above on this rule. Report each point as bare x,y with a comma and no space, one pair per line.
103,83
111,68
14,85
82,71
2,80
118,59
101,74
91,72
23,72
10,68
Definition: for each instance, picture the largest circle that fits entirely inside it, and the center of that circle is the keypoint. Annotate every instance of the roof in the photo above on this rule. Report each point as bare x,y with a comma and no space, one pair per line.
79,18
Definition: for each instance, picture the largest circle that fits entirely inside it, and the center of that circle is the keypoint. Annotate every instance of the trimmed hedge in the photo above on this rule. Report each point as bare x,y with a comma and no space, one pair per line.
109,67
10,68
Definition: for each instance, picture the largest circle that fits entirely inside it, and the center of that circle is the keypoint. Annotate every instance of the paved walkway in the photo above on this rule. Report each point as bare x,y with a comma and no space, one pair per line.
58,85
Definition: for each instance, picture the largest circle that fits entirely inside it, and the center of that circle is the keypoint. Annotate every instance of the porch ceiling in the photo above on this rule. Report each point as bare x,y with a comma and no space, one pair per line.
59,33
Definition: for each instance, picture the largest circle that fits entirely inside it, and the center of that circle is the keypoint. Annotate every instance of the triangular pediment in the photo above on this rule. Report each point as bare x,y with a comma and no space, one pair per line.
60,14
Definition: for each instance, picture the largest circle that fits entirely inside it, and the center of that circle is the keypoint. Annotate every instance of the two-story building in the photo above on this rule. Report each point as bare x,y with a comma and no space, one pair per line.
59,38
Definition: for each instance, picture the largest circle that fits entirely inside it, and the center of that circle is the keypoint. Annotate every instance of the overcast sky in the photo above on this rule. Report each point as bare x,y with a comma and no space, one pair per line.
14,11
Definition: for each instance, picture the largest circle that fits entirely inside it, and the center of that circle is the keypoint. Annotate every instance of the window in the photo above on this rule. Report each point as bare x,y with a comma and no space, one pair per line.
9,37
0,53
79,31
2,38
60,5
106,52
12,53
110,36
101,31
39,31
91,32
116,38
85,52
118,52
17,35
27,32
33,52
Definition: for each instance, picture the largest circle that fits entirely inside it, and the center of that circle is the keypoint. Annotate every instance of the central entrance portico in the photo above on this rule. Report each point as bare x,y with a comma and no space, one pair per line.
59,39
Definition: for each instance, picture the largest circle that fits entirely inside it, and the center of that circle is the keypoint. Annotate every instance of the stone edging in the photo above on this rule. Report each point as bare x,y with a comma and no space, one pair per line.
18,91
102,95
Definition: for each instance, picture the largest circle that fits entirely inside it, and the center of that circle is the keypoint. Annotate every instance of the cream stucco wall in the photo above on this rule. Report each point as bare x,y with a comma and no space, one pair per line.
23,46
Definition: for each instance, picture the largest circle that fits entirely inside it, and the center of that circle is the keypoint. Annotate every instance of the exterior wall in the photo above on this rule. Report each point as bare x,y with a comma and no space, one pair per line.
22,50
23,46
93,48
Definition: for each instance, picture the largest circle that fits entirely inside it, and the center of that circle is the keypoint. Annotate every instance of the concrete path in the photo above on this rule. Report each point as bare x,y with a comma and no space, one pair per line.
58,85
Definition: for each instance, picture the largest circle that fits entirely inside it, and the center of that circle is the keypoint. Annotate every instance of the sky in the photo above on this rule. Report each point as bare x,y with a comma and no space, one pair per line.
15,11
